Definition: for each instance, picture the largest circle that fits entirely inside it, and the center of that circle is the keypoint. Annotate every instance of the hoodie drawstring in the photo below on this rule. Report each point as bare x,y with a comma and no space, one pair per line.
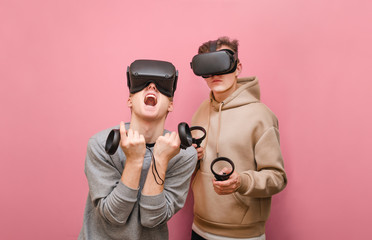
219,128
206,138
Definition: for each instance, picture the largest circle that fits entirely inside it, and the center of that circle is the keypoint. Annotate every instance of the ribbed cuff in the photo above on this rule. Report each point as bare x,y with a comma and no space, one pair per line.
126,193
154,202
244,183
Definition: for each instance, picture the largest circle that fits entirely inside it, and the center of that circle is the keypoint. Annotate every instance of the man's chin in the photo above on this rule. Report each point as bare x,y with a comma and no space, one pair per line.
153,115
148,109
150,112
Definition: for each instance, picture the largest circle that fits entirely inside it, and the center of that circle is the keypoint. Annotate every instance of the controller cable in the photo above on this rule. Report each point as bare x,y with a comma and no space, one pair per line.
153,167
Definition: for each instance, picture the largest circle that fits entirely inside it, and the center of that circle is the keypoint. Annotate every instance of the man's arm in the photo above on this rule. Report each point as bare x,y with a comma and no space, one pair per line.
113,200
267,180
166,147
115,194
159,203
134,148
270,177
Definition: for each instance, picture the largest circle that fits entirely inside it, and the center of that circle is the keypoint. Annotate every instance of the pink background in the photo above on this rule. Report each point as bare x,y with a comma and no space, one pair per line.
62,71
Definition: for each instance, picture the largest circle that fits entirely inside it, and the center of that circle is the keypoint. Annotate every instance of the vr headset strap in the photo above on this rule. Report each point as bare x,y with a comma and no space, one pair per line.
128,81
175,83
213,46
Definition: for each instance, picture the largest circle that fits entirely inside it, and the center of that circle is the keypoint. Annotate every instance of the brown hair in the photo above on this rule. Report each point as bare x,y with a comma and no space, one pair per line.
221,41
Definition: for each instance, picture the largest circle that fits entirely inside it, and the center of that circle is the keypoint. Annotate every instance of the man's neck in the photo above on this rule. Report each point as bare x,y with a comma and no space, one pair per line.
151,130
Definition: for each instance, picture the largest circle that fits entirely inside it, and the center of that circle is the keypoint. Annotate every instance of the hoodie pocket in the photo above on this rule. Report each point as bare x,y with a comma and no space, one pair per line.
259,208
211,207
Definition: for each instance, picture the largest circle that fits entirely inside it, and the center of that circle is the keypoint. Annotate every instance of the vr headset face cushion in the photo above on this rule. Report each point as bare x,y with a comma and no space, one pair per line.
214,63
143,72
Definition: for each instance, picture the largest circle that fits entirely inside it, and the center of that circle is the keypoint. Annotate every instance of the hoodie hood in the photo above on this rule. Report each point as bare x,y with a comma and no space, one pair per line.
248,91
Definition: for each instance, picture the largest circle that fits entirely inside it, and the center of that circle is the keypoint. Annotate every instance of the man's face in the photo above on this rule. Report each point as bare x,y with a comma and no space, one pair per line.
226,83
150,104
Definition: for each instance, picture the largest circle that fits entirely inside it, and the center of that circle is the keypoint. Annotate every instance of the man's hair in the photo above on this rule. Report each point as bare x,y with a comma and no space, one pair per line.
221,41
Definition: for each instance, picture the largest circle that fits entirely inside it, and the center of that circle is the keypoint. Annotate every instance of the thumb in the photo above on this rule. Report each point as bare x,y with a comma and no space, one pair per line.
225,170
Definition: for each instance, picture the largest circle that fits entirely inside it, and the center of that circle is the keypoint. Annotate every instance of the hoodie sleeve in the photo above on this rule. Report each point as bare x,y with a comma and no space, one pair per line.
113,200
158,209
270,177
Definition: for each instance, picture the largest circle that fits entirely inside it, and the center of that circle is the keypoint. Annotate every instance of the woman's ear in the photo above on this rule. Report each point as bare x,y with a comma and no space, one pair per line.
239,69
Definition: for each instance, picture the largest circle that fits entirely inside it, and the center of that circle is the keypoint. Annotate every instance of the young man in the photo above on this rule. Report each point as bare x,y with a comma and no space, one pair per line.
135,191
243,129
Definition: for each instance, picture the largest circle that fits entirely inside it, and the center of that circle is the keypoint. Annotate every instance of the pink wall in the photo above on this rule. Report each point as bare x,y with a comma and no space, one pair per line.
62,66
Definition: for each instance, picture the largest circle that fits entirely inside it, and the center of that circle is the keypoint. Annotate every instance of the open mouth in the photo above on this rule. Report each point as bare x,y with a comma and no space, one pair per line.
150,99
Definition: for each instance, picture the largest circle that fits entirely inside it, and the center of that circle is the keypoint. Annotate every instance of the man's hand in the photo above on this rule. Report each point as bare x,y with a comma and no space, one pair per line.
200,151
133,145
166,147
228,186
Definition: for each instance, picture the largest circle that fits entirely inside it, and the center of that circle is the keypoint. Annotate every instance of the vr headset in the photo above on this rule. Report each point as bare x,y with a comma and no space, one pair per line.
214,62
143,72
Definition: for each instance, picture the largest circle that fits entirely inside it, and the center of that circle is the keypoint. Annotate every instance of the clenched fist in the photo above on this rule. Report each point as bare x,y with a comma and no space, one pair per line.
133,145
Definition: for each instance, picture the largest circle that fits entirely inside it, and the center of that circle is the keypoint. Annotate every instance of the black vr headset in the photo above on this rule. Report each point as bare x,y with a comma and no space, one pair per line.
214,62
143,72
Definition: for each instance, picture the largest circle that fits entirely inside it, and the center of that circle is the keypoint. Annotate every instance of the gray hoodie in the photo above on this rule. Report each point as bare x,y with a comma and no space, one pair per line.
115,211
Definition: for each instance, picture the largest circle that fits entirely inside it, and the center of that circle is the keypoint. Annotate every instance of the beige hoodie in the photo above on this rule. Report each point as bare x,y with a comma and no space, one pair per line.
246,131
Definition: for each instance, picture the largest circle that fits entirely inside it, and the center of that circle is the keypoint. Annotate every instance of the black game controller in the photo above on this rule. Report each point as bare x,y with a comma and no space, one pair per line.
224,176
184,131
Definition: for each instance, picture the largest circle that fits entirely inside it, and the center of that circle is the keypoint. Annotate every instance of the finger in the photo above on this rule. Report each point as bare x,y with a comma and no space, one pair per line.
135,134
200,150
173,135
159,138
123,131
234,177
223,190
217,184
130,133
222,184
142,138
225,170
176,138
170,136
196,146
